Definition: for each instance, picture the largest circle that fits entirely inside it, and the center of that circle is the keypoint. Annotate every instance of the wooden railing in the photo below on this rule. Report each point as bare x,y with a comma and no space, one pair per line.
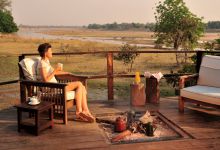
109,57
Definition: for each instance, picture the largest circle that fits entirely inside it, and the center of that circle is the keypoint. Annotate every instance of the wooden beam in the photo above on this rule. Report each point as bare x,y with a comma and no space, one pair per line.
110,76
9,82
198,60
143,52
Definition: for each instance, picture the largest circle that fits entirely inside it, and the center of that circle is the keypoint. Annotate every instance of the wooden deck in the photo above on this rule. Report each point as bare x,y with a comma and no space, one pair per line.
205,129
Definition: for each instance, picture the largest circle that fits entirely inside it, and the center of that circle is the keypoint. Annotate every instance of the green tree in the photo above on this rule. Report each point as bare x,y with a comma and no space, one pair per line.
7,24
177,26
127,55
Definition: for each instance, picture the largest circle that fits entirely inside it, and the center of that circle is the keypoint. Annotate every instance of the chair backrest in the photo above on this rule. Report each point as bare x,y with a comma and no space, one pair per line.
209,73
29,68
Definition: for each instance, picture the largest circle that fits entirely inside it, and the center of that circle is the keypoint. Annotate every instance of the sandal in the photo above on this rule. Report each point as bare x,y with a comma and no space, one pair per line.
80,118
87,117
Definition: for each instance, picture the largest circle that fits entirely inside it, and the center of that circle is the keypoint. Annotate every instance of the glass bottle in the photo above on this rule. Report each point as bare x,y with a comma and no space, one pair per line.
137,78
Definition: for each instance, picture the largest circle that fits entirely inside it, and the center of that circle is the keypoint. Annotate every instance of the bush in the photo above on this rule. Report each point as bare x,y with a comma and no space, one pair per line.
126,56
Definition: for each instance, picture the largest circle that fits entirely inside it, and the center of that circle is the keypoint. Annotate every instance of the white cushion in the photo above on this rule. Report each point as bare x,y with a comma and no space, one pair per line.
29,67
211,61
70,95
202,93
209,73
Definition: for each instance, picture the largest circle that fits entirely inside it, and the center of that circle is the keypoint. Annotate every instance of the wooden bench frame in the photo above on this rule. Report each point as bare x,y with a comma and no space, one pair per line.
182,100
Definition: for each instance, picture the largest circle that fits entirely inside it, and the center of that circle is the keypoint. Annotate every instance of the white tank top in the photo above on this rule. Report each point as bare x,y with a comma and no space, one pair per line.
48,68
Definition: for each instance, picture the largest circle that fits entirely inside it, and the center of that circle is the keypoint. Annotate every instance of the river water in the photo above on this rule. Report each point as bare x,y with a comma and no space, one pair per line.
36,33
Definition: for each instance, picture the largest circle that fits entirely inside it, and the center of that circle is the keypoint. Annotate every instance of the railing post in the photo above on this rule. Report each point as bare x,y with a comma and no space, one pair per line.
22,87
110,76
198,60
20,57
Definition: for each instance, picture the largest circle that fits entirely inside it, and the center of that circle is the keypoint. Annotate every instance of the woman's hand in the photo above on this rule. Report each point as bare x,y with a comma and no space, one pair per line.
57,69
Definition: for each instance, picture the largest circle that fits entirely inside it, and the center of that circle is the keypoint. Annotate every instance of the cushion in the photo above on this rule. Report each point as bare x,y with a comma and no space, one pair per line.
70,95
202,93
209,72
29,67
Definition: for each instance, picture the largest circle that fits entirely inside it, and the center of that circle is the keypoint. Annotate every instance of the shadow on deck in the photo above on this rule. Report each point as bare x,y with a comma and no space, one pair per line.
205,129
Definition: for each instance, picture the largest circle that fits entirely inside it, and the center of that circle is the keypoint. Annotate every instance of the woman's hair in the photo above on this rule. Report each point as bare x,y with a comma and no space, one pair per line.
43,48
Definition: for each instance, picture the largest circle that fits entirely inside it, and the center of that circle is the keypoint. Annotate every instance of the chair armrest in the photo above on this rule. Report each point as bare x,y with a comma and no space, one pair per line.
183,79
65,78
42,84
70,77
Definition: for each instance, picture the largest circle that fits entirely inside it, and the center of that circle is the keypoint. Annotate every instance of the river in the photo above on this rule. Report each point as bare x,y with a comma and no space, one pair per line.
36,33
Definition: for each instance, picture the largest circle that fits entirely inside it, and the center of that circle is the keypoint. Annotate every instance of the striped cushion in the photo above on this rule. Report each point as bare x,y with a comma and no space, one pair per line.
209,74
29,66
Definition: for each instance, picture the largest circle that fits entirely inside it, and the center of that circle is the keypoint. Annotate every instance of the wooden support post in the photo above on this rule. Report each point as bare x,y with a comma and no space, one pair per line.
22,87
198,60
20,58
65,119
181,104
110,76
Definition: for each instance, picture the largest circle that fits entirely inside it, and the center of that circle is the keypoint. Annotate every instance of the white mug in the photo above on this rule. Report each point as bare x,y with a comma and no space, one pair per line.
60,65
33,100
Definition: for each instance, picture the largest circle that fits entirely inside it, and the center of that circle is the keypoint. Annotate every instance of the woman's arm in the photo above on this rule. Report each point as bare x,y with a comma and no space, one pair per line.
61,72
47,77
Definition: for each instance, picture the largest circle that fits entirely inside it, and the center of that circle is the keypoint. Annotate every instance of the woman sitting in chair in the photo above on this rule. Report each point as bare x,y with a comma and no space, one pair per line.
46,73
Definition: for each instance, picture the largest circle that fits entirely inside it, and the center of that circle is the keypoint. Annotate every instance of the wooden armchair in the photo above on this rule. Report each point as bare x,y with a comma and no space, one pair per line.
206,90
53,92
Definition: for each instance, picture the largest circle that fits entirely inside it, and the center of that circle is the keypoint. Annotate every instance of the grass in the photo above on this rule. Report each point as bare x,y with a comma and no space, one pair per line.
15,45
83,32
9,68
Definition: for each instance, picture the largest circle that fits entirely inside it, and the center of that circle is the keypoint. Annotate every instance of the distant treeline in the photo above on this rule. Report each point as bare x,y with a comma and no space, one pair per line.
213,25
123,26
141,26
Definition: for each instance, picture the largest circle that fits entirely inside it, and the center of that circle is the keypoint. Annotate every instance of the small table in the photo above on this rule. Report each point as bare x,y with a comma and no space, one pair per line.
138,97
38,124
152,90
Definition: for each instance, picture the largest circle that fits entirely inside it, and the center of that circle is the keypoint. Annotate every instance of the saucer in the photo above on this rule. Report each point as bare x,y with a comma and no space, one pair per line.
30,103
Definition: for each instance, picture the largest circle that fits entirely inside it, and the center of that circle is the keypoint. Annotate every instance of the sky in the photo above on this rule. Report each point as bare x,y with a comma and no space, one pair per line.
84,12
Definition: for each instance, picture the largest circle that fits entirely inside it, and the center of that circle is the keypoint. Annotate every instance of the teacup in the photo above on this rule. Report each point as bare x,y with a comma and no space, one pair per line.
34,100
60,65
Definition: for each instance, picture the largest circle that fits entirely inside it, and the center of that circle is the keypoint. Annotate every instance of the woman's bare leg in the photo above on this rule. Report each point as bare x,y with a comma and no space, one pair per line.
81,97
85,104
85,108
79,90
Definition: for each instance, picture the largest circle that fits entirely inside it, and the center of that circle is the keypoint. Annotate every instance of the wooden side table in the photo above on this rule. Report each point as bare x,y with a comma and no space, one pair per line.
152,91
138,97
35,124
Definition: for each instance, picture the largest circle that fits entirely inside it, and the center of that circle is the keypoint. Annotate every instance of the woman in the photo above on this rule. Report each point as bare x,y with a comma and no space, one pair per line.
46,73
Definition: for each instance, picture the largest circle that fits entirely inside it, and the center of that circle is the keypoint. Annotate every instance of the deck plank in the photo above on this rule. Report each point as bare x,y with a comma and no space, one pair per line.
205,128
